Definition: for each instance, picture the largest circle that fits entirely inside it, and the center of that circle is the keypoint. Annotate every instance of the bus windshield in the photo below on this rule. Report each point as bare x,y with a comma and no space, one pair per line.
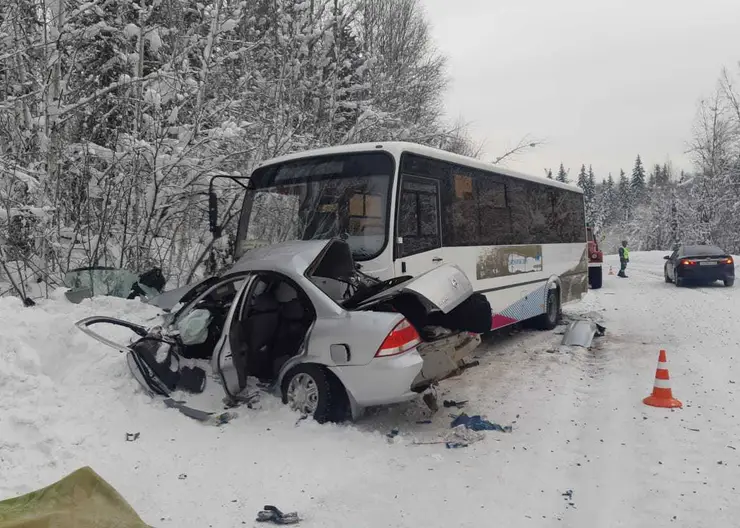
340,196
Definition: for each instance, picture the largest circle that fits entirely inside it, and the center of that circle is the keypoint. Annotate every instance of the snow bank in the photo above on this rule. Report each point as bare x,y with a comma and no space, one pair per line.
67,401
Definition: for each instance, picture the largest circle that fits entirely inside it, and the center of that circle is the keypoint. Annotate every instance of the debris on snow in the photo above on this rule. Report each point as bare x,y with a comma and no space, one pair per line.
274,515
430,399
478,423
132,437
582,333
462,436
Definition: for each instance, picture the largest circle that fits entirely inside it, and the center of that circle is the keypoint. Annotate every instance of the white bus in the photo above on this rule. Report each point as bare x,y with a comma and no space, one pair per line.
405,208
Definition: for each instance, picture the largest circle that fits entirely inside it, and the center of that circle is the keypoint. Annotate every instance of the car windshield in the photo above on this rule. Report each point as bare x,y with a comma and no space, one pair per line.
701,251
344,196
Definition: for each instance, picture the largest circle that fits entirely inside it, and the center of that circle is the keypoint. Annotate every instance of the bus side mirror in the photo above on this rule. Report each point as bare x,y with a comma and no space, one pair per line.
213,215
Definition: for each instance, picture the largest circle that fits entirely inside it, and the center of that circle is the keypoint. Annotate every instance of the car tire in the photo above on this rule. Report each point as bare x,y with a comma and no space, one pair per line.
330,397
729,282
551,317
595,277
665,276
678,282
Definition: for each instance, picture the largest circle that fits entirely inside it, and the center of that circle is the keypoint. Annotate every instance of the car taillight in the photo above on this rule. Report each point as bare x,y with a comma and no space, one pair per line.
686,262
728,261
401,339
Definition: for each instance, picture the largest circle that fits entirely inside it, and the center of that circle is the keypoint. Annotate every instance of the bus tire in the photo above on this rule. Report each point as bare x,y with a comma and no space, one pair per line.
595,277
551,317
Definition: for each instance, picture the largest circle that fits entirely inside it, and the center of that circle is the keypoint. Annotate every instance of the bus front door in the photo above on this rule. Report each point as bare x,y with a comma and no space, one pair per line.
418,245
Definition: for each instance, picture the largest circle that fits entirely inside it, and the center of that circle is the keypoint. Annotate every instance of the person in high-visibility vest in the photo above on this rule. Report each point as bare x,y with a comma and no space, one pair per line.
624,258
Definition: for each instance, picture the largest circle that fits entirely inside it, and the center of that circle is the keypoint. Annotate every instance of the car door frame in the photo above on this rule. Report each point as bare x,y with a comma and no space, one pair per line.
222,351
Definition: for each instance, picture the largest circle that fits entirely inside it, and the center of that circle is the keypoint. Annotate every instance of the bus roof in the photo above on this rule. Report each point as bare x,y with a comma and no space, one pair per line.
397,147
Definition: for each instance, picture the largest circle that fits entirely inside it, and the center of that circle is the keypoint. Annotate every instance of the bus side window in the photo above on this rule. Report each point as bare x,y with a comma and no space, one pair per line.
494,218
418,215
461,208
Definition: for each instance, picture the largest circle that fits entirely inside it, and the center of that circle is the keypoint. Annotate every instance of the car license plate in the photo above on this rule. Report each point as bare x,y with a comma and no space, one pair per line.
708,263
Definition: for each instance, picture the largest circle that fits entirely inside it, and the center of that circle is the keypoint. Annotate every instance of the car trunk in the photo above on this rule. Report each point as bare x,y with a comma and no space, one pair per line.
440,304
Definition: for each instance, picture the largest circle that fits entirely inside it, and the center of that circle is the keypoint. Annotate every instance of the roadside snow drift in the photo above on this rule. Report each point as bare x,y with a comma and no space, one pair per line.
584,451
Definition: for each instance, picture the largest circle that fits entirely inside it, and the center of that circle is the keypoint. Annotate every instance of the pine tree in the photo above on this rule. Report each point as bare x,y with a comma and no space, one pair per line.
591,188
637,184
624,197
562,175
582,178
587,182
663,177
608,200
655,176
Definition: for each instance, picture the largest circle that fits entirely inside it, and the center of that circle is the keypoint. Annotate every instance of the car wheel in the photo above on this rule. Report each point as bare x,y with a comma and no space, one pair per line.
312,390
549,319
665,275
729,282
595,277
678,282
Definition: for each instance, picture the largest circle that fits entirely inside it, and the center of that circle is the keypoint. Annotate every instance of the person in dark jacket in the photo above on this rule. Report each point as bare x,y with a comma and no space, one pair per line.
624,258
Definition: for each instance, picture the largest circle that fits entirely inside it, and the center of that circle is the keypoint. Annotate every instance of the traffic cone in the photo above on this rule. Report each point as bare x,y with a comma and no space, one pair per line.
662,395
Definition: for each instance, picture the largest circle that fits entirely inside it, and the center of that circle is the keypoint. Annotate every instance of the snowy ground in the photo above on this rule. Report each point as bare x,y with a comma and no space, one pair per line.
579,425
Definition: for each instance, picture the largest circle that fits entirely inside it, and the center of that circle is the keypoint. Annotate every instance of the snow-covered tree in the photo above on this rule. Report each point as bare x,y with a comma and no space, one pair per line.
562,175
582,180
637,183
623,198
114,115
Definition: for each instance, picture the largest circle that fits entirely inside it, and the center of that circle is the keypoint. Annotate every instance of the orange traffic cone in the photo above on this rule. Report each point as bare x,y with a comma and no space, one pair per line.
662,395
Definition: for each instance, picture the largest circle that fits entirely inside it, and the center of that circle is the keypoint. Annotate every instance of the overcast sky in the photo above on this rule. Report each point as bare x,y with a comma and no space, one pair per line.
600,80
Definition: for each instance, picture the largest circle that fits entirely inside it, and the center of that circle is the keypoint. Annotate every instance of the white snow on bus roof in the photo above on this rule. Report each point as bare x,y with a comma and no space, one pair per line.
398,147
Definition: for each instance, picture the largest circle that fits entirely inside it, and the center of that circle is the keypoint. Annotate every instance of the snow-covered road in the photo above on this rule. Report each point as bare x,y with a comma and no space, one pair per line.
579,425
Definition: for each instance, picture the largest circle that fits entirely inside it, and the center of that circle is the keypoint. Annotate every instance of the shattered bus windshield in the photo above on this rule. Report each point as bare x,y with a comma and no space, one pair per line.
344,196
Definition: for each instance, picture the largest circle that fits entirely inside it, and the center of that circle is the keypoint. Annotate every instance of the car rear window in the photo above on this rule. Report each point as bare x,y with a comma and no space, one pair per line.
701,251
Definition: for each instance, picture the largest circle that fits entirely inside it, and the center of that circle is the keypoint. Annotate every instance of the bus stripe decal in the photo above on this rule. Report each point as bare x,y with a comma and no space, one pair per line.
530,306
499,321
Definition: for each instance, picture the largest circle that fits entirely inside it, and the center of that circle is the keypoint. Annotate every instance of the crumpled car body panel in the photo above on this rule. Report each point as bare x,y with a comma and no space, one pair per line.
368,380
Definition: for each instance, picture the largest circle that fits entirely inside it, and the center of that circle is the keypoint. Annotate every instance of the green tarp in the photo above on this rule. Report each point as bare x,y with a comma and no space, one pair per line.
80,500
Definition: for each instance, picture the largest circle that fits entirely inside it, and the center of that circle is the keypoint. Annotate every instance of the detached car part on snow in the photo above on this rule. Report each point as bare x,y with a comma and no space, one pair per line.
100,280
303,320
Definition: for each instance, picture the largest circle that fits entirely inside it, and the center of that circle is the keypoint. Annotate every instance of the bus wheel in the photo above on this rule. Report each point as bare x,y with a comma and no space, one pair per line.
595,277
549,319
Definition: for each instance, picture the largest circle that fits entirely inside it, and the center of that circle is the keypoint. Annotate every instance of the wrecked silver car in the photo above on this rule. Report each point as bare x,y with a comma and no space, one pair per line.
300,319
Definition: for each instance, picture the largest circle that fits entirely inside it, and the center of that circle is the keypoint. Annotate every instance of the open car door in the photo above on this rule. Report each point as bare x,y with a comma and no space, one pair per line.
230,356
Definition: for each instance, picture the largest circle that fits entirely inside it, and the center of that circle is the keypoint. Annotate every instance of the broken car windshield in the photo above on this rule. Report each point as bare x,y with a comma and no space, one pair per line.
341,196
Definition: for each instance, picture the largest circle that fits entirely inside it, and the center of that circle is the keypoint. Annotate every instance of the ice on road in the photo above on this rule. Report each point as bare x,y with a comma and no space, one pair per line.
584,451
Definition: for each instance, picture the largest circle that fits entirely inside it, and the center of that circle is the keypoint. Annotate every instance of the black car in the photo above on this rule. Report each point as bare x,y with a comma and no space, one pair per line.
701,264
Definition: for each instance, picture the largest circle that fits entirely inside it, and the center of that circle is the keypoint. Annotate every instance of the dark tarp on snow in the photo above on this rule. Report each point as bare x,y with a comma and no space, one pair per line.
80,500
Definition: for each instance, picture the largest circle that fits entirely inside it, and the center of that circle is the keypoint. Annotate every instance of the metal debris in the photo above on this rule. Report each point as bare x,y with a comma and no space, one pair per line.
582,333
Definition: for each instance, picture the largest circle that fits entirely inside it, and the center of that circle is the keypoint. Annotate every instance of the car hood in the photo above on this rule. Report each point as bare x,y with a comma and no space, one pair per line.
443,288
319,258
